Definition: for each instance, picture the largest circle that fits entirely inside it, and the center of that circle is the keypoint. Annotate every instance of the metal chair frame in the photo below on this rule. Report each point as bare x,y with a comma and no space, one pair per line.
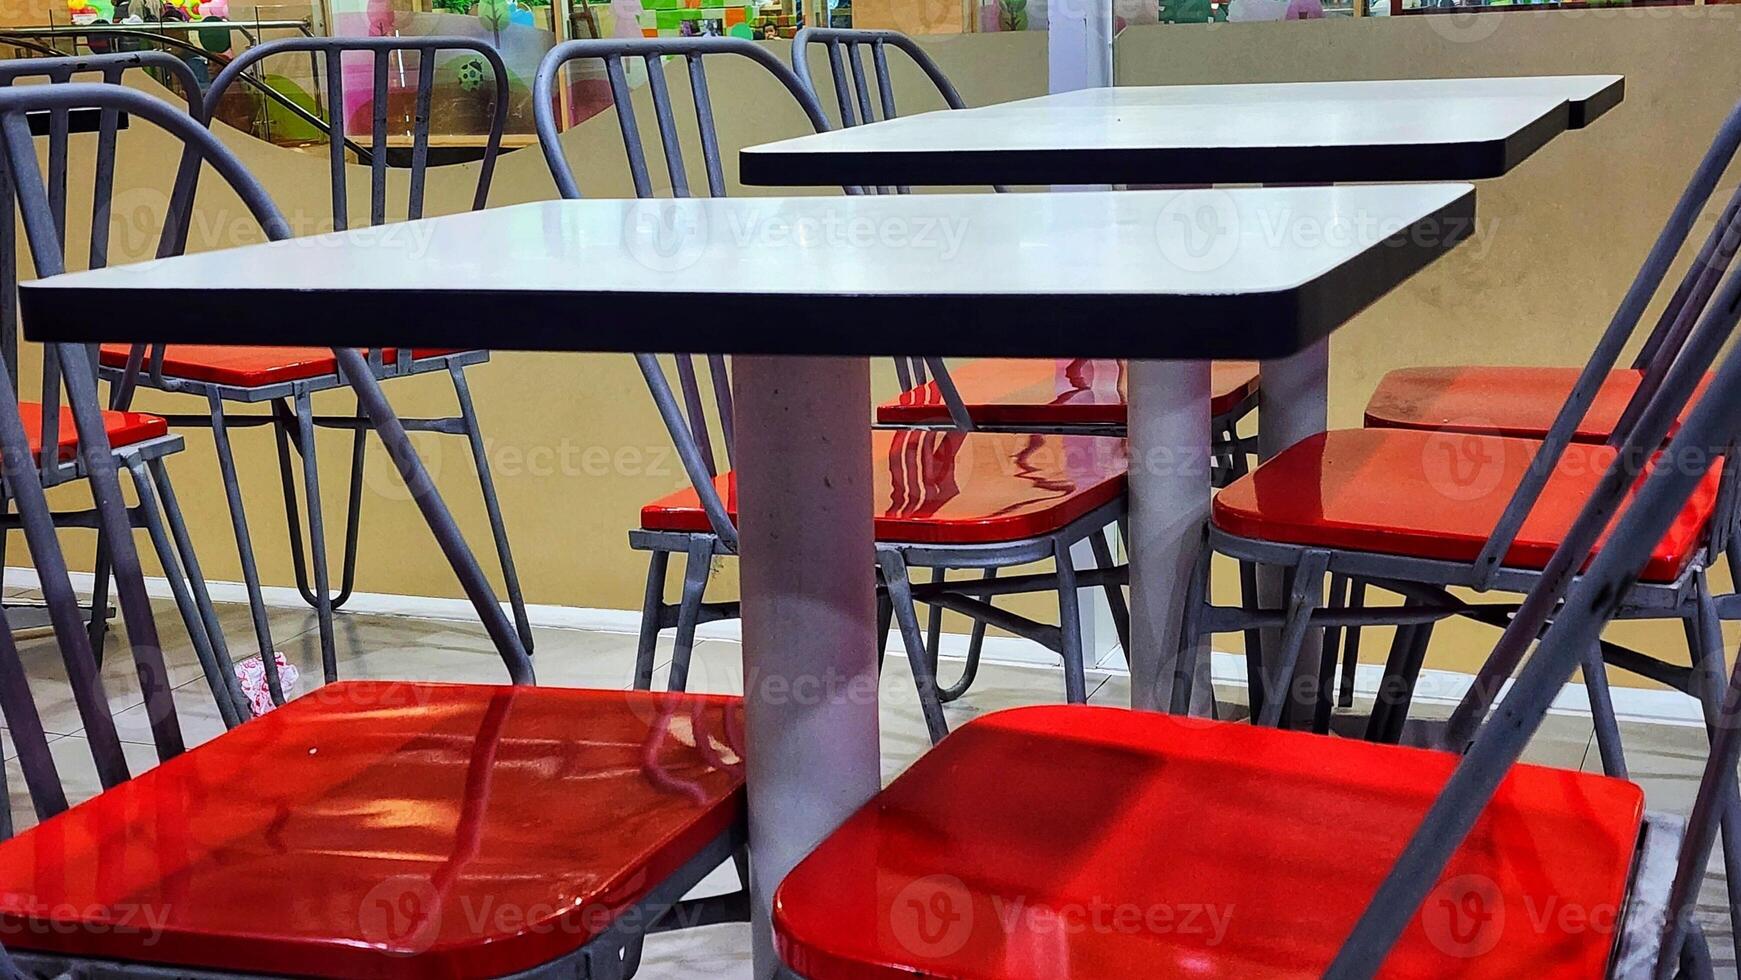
897,593
1568,608
292,415
158,511
612,955
1683,345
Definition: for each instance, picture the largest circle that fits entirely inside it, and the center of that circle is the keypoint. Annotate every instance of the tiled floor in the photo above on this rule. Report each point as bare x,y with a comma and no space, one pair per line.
1665,760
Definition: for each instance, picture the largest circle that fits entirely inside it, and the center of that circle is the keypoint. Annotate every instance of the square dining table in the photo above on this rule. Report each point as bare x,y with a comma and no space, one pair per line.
803,291
1268,133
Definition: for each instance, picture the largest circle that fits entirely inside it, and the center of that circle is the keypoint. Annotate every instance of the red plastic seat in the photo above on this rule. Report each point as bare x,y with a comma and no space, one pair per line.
1083,391
1093,843
248,367
938,487
123,428
1432,495
1501,401
381,829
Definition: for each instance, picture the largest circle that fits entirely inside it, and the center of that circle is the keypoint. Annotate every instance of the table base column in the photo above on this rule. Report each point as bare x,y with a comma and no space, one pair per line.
1169,503
809,610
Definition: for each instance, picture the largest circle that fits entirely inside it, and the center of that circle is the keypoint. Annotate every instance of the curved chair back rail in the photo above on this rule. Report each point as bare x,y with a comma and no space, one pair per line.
687,422
110,68
651,52
843,47
199,146
334,49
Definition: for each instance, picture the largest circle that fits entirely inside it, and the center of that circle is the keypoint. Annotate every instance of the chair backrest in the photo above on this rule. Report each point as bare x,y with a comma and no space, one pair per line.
688,422
652,52
844,47
1708,432
109,68
1673,365
383,49
79,376
853,93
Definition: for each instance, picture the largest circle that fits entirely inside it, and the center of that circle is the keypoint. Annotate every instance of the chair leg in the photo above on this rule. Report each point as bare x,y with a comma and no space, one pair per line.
652,606
885,618
1351,651
1390,684
1114,592
1706,642
1407,679
1191,639
1322,703
244,544
492,506
223,692
97,627
1248,601
1608,744
1070,627
934,622
353,511
196,580
287,434
900,591
697,566
1304,594
316,537
975,646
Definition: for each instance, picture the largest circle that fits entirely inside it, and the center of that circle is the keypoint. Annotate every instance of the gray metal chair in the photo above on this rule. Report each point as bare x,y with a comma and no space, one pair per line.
687,798
919,464
286,379
142,443
1336,890
1695,325
1572,601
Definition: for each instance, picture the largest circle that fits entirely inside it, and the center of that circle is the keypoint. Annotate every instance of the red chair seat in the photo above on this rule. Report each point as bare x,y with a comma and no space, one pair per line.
1501,401
1092,843
939,487
1084,391
380,829
248,367
1431,495
123,428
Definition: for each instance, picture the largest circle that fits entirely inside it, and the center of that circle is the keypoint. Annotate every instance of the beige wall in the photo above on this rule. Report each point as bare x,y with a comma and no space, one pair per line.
577,448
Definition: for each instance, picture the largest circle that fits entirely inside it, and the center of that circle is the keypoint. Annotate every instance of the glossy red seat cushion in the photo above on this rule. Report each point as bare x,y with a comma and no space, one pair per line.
123,428
1504,401
380,829
1082,391
248,367
939,487
1091,843
1432,495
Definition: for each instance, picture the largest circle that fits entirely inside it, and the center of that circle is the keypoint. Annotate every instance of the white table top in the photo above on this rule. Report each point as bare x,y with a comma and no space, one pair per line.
1448,129
1209,273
